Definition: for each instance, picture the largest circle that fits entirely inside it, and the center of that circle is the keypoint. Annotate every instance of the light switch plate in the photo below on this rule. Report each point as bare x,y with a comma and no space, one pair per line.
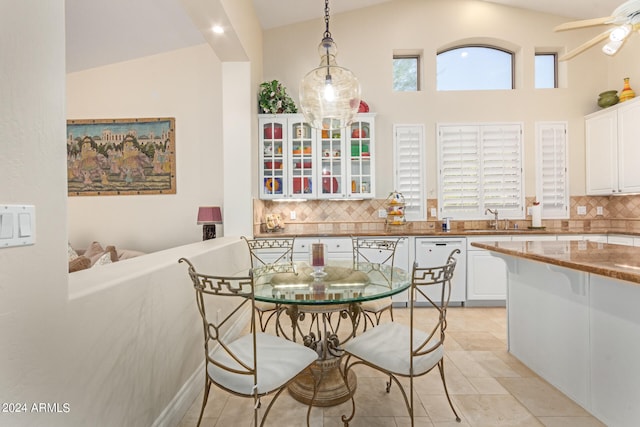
382,213
582,210
17,225
599,210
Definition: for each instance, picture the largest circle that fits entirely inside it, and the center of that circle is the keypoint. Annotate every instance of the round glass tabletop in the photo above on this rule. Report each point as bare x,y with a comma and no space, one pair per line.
336,283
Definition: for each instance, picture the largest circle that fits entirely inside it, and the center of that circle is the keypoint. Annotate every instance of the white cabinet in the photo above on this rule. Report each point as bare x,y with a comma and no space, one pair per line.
287,157
347,160
433,252
486,274
299,162
617,239
338,248
612,149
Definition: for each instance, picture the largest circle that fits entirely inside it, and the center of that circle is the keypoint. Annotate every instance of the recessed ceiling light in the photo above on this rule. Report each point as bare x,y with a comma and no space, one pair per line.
217,29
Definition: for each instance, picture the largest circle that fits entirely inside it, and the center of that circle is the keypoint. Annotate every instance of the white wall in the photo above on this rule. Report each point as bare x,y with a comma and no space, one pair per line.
133,336
366,41
185,84
33,279
119,352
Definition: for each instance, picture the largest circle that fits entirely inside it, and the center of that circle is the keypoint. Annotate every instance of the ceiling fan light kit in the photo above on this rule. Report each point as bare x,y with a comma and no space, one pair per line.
626,19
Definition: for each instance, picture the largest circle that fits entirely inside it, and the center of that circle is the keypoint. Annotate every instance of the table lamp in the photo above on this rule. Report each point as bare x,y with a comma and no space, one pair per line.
209,216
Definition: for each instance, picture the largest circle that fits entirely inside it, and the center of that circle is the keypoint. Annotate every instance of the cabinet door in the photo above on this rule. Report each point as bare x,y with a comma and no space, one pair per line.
629,148
620,240
332,166
273,149
301,154
360,154
601,153
486,276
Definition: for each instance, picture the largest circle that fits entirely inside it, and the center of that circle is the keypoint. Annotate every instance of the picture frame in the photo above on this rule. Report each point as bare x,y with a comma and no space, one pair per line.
107,157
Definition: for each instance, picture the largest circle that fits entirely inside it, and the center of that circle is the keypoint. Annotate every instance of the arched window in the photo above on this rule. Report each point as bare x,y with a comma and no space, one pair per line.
475,67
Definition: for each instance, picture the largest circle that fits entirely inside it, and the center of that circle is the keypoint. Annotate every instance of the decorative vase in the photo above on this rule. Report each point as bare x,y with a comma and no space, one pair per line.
627,93
608,98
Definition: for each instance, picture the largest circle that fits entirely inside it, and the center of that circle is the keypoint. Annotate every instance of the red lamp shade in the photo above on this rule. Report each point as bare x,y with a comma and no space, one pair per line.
209,215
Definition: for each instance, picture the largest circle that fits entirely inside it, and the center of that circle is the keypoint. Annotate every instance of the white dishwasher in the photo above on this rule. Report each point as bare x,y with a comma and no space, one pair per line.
433,252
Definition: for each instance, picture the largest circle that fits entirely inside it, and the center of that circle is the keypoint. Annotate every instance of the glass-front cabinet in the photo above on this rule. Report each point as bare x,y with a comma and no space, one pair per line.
287,162
332,169
360,166
297,161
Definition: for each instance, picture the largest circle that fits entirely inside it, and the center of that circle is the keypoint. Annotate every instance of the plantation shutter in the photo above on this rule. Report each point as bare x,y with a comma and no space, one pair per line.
502,168
552,183
409,168
480,167
459,159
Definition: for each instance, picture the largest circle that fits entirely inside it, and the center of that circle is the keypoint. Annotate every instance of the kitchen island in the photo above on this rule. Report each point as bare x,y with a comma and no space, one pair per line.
573,318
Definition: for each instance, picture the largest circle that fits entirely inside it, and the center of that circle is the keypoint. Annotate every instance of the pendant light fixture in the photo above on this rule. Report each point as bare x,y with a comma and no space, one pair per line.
329,94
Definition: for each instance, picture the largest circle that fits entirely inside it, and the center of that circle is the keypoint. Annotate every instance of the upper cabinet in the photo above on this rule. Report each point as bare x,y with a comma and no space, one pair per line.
297,161
612,149
287,157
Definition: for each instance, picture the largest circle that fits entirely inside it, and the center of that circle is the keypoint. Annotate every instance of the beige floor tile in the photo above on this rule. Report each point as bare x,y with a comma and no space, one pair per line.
362,422
438,408
489,388
371,399
541,398
477,340
571,422
492,364
494,411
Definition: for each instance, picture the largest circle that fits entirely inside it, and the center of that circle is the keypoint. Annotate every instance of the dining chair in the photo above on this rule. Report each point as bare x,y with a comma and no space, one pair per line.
264,252
249,365
369,254
409,351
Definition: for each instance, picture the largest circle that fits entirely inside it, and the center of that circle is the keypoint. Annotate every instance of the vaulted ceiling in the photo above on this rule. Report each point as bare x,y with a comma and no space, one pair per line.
101,32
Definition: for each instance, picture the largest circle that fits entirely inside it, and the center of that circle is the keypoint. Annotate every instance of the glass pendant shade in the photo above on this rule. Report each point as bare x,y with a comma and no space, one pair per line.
329,94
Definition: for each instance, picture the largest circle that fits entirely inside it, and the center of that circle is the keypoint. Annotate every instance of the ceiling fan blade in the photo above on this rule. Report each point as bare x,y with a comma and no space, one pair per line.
584,46
584,23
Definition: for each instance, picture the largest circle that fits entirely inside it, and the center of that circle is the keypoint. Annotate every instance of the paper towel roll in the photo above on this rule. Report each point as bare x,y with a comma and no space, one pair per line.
536,220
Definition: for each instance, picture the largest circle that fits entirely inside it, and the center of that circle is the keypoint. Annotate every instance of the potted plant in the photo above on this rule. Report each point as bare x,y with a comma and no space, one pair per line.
273,99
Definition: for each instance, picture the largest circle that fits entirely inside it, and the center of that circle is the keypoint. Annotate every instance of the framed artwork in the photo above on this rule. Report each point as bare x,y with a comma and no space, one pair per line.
121,157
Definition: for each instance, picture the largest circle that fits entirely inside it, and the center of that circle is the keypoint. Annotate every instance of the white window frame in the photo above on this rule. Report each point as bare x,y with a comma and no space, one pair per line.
409,169
467,157
552,169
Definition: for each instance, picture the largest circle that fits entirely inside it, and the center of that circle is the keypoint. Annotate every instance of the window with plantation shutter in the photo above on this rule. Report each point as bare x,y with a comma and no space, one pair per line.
480,167
552,179
409,168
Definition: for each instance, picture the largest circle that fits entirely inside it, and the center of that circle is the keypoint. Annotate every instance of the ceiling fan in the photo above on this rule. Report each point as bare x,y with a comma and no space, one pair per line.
625,19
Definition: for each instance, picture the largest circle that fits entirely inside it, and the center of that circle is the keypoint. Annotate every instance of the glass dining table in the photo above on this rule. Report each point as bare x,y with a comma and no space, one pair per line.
321,306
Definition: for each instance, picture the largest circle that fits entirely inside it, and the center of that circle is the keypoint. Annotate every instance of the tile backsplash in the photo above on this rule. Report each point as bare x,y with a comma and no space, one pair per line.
323,216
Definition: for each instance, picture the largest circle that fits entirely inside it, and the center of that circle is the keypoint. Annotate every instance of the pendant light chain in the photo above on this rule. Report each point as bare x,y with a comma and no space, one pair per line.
327,34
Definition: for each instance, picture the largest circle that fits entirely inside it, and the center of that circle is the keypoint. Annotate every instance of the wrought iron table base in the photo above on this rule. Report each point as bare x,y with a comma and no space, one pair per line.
332,389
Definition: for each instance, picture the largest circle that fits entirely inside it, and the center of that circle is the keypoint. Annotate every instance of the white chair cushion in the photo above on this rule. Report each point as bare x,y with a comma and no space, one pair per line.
265,306
376,305
279,360
387,346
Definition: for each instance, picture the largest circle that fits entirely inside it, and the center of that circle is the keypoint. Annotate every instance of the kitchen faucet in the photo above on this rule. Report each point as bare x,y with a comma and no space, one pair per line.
495,216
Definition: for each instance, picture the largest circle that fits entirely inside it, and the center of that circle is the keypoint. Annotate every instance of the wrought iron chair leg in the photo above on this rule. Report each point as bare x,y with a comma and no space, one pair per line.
444,383
207,388
345,378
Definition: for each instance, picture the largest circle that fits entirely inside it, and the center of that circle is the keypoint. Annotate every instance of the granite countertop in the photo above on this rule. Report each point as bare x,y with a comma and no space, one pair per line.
439,233
615,261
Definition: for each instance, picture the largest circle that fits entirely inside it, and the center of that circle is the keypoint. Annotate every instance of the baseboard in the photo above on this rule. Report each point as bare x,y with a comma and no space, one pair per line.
486,303
188,393
182,401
